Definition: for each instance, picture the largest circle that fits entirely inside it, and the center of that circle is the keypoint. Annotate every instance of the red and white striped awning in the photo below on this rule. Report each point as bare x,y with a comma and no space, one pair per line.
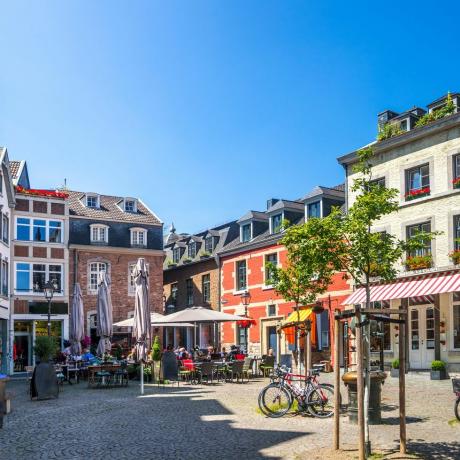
423,285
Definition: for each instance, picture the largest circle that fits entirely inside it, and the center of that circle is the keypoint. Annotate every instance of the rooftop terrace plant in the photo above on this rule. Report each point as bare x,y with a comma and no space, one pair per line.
444,111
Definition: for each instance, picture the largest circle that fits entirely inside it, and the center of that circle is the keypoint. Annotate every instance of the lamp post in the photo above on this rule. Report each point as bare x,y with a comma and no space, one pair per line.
49,289
245,298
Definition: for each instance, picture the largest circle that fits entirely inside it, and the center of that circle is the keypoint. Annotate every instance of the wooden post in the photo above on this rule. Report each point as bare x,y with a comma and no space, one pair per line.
307,351
402,386
360,383
336,384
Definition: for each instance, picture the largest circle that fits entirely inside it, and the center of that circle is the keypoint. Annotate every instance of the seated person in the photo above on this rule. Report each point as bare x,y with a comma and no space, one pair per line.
223,353
182,353
87,355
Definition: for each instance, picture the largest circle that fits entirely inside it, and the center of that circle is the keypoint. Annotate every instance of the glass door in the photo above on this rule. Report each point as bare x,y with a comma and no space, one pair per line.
421,336
272,339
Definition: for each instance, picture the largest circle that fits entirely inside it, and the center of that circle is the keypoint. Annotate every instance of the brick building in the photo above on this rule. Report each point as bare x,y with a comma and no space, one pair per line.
244,270
109,233
40,254
191,278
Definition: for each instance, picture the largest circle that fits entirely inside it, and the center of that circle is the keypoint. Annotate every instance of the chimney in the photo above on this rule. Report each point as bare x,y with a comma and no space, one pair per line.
384,117
271,202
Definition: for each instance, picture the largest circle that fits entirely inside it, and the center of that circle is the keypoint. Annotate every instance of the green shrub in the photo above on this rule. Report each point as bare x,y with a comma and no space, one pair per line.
156,349
395,363
389,130
448,109
438,366
45,347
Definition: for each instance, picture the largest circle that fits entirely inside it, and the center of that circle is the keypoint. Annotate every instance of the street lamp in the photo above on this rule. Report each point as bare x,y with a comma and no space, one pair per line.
49,289
245,298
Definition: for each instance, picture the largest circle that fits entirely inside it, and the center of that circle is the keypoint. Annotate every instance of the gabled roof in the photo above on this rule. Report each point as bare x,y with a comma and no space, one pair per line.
6,172
335,192
441,99
254,215
110,210
286,204
19,173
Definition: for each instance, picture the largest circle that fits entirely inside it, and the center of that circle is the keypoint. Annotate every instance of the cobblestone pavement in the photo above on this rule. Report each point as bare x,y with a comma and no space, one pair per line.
219,421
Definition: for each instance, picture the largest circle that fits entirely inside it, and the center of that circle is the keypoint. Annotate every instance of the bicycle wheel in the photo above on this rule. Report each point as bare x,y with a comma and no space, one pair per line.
275,401
320,401
457,409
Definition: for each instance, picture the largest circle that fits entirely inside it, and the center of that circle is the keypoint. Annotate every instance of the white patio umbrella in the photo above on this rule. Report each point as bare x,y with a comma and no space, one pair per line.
77,331
130,321
142,319
104,313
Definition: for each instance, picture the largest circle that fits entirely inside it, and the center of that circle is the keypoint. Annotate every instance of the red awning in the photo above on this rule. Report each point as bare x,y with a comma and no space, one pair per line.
423,285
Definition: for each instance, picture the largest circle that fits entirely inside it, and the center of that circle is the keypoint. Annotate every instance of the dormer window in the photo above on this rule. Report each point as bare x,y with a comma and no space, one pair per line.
208,244
99,233
314,210
139,237
176,255
192,250
130,205
92,201
276,223
246,233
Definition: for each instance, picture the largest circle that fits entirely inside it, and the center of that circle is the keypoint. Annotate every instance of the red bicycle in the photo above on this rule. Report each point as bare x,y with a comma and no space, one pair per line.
456,387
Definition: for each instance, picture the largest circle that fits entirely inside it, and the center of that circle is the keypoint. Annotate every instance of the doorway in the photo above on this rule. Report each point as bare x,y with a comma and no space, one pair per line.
421,336
272,339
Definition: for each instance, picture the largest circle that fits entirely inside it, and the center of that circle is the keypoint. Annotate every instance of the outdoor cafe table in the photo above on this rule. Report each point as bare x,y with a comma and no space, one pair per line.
110,368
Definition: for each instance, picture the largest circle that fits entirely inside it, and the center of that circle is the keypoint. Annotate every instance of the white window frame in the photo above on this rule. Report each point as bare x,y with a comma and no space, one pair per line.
129,200
90,196
191,254
30,291
451,329
4,282
5,229
265,267
91,289
98,228
250,233
272,230
31,229
174,252
131,267
135,233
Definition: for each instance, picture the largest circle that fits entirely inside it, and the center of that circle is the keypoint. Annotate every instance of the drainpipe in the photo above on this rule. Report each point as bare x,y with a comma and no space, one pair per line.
219,304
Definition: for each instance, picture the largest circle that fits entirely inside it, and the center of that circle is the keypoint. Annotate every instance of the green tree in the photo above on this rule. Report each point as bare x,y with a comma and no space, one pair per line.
156,349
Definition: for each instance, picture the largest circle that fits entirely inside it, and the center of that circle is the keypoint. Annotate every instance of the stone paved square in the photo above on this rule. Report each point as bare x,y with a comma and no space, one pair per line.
212,421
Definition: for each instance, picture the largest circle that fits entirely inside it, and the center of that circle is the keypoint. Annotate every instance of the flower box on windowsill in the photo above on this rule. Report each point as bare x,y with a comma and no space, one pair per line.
206,255
455,256
456,182
420,193
172,264
187,261
419,262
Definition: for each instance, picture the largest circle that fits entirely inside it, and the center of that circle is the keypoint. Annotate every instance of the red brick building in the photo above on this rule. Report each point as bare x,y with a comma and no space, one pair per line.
244,270
109,233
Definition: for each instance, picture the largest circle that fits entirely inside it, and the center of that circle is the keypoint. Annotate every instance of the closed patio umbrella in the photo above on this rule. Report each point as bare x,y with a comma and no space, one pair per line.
77,332
141,329
104,314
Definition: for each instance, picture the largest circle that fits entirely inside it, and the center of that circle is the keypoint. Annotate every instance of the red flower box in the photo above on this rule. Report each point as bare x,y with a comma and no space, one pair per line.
456,182
45,193
414,194
246,323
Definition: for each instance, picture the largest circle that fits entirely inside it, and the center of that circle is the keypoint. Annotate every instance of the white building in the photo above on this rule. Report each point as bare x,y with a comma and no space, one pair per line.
423,163
6,207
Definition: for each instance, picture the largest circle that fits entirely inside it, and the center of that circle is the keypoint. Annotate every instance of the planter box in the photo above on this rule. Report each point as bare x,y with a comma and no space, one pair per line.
438,375
394,372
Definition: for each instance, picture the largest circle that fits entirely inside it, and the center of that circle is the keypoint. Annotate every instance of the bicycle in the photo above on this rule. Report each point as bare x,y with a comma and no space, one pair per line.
456,387
277,398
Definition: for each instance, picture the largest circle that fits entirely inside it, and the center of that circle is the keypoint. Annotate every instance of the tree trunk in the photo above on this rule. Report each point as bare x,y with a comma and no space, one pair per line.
336,384
360,384
367,373
402,387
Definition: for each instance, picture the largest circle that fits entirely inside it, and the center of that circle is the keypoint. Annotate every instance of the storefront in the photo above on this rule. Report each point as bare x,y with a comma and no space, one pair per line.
27,328
3,346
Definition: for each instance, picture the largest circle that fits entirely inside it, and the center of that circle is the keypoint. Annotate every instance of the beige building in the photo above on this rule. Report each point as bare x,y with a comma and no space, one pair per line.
423,163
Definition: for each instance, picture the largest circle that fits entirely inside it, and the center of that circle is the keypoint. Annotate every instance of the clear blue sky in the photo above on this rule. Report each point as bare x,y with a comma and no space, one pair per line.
205,109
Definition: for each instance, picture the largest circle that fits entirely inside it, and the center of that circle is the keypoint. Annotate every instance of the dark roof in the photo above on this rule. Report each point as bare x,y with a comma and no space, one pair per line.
338,191
14,168
110,210
258,215
288,204
441,99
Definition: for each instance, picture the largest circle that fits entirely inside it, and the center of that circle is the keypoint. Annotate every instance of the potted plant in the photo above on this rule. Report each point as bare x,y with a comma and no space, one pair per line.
147,373
419,193
156,355
456,182
170,263
394,372
205,255
187,260
44,381
455,256
419,262
438,370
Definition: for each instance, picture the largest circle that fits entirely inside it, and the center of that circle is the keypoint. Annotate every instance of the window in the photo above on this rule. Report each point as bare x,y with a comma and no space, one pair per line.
456,320
241,336
95,268
245,233
206,287
384,328
208,244
314,209
41,273
380,182
189,287
273,259
403,125
457,233
131,285
277,223
139,237
5,228
271,310
412,231
417,181
174,292
35,230
456,166
4,279
92,201
241,283
130,206
176,255
192,250
99,233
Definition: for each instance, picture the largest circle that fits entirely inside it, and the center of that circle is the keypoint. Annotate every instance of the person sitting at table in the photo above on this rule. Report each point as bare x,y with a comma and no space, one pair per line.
182,353
87,355
223,353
